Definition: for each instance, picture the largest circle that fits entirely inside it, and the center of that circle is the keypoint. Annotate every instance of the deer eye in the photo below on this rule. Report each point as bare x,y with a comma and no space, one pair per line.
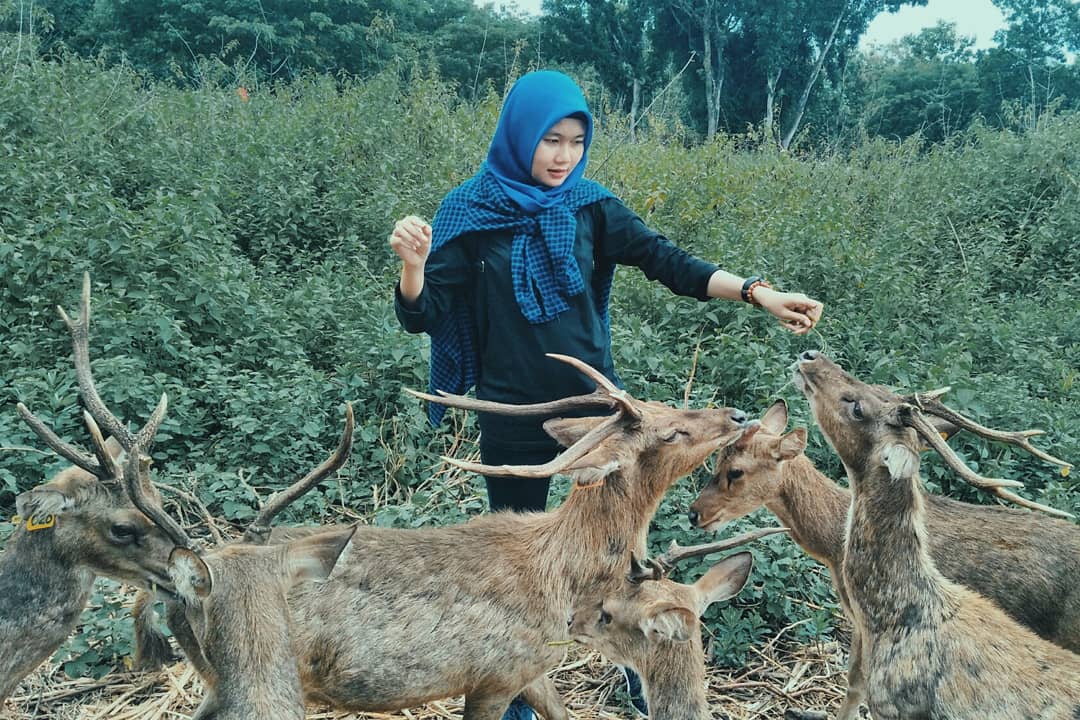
734,474
673,436
605,617
123,533
856,407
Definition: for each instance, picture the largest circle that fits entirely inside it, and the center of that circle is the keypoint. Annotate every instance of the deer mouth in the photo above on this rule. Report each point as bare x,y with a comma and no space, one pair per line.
713,524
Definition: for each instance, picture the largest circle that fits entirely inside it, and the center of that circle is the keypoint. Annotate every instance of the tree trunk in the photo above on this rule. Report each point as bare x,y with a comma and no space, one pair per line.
635,108
801,108
711,107
771,81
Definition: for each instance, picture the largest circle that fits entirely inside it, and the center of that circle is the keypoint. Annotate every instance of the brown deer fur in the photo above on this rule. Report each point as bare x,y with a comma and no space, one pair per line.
932,649
648,626
1026,563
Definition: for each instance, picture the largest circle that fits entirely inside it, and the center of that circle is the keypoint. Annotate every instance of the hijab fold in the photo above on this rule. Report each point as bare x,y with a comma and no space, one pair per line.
503,196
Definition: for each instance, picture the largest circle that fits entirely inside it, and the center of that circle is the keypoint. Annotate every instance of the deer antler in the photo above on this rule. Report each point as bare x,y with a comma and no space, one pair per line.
80,346
929,403
997,486
137,480
259,531
567,457
60,447
594,399
676,553
606,395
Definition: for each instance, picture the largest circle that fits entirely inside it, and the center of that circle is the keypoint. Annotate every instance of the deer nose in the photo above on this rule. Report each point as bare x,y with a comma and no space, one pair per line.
570,620
809,355
738,417
693,517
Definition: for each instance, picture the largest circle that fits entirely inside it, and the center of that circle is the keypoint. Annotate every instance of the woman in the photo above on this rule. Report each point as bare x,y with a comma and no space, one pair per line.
518,262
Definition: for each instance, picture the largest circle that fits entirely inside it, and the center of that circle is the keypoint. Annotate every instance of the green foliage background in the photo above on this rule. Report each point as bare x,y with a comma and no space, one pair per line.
239,263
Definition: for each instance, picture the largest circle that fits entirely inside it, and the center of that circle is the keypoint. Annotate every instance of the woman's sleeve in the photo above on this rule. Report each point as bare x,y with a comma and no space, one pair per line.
447,275
628,241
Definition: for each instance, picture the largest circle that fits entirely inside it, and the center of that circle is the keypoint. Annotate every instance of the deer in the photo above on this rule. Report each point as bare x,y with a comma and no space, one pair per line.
412,615
77,526
649,620
84,523
1029,566
931,648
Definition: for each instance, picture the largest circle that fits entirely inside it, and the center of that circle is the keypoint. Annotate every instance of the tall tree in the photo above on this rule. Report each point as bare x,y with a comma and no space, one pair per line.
609,35
828,26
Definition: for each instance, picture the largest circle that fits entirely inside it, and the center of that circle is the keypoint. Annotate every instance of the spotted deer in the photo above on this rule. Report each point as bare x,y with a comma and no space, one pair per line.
931,648
413,615
1028,565
650,623
79,525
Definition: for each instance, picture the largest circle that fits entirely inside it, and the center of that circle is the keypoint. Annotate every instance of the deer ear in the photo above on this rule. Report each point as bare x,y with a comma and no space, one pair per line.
667,621
723,580
191,575
791,444
775,418
316,557
47,499
567,431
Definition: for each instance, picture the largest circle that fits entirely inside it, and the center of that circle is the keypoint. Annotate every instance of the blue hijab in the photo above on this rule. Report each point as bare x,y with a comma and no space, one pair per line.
503,196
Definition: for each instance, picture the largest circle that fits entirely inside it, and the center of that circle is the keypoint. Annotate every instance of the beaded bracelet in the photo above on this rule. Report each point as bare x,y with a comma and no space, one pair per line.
751,284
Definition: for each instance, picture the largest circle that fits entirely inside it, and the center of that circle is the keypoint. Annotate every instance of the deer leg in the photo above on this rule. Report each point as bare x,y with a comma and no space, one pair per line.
545,699
479,706
152,649
856,690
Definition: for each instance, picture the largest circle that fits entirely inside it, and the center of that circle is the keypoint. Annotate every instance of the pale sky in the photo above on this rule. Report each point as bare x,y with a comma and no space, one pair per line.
974,18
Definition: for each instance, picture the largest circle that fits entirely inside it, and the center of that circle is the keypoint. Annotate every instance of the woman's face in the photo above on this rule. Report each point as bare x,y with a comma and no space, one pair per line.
559,152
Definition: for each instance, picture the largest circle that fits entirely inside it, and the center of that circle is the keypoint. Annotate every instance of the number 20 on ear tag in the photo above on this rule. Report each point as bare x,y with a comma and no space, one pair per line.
32,523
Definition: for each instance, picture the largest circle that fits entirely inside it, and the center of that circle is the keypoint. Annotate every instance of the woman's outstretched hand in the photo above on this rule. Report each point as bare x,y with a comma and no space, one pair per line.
411,240
795,311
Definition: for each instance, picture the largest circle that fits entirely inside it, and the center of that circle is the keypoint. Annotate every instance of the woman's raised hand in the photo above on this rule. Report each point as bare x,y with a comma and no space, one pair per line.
795,311
411,240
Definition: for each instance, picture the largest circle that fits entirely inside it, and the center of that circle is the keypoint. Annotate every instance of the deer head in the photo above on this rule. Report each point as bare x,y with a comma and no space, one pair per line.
88,511
869,426
747,472
650,608
647,439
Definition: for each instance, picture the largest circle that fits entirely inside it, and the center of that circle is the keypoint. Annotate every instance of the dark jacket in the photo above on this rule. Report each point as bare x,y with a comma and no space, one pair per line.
475,269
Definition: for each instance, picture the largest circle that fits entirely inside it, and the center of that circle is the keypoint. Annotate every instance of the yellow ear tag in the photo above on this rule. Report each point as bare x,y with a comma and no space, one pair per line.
33,524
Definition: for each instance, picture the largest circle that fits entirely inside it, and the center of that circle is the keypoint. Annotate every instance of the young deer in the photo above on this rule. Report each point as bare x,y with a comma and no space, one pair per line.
651,624
931,648
409,616
79,525
1028,565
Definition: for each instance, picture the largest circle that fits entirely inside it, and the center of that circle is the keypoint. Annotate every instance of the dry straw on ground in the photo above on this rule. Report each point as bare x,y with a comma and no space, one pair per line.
779,679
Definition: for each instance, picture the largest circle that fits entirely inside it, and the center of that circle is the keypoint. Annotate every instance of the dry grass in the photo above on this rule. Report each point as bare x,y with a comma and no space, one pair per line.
780,678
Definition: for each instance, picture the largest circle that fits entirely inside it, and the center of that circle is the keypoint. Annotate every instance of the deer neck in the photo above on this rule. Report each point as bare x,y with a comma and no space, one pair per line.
42,594
814,507
613,515
673,676
887,566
